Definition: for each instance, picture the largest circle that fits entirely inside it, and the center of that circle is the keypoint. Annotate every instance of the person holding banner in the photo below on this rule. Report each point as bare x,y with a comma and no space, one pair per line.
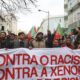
69,44
21,42
3,41
79,46
39,41
56,43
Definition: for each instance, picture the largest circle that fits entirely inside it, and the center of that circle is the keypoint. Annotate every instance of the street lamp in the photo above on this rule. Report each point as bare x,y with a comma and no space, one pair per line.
48,15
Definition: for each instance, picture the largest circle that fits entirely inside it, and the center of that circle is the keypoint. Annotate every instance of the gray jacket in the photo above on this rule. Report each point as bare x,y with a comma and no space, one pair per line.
24,45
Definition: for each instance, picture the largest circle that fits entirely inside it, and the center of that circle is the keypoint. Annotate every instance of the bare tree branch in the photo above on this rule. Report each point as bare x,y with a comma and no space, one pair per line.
14,5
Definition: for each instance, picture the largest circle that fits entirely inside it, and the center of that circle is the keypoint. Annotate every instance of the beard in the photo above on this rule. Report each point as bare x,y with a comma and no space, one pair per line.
39,38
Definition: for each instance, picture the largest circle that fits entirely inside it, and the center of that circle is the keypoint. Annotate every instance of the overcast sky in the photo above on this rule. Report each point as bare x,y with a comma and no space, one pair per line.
26,21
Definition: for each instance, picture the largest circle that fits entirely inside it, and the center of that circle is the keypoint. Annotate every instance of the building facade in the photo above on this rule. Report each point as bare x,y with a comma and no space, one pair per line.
8,23
53,23
73,13
2,23
66,13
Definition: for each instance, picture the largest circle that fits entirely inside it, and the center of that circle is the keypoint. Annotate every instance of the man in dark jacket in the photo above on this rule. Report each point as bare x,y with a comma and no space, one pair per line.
49,40
21,42
3,41
10,40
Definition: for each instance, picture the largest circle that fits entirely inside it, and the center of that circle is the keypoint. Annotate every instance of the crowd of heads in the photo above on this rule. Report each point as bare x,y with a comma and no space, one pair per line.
21,40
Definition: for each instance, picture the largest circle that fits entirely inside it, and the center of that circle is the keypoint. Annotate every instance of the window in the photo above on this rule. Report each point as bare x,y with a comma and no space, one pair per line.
2,28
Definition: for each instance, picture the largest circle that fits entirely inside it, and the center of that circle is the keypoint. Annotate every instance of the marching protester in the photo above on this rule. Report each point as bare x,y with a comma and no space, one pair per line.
77,41
73,36
63,43
69,43
56,43
39,41
21,41
79,46
49,39
3,41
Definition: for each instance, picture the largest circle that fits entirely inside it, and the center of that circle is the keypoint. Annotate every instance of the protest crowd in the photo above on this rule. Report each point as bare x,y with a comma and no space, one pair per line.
21,40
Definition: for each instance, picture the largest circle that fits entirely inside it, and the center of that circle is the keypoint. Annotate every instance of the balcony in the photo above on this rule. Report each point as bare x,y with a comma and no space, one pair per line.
73,4
65,3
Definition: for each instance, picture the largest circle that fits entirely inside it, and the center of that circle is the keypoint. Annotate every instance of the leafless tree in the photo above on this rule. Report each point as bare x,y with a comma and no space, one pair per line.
9,7
17,5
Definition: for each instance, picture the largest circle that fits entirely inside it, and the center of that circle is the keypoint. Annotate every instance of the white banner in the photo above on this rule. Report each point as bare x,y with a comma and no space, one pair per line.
40,64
